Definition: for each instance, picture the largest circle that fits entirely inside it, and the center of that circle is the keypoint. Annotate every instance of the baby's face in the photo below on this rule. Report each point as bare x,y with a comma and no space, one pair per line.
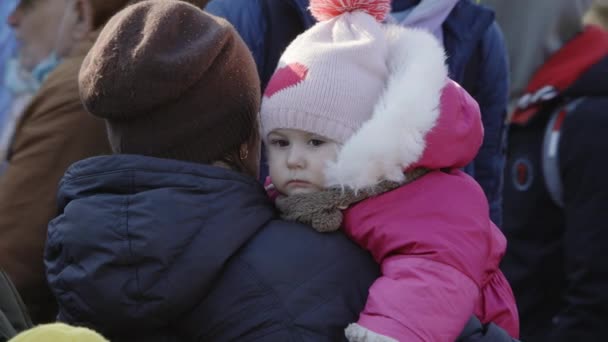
297,160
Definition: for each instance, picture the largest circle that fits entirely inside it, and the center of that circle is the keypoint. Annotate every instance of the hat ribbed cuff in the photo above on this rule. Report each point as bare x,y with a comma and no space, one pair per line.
283,118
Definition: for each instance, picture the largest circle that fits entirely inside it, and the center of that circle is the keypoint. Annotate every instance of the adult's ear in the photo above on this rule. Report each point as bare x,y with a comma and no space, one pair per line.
85,17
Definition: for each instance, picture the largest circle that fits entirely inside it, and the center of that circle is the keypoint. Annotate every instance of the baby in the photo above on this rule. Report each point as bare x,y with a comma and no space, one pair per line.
366,133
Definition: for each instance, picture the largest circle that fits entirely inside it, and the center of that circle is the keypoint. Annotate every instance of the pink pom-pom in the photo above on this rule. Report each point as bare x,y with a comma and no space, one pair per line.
327,9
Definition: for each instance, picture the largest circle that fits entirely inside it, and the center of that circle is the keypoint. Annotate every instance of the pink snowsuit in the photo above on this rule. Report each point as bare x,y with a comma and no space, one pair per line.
438,249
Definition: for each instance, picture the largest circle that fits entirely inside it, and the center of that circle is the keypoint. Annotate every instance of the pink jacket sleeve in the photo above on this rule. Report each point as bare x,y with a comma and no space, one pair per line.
418,299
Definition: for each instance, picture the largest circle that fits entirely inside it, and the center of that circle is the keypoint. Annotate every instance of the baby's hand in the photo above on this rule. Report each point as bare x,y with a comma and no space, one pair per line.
356,333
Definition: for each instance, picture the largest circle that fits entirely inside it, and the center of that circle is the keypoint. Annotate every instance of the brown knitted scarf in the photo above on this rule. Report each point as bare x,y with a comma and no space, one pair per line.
323,210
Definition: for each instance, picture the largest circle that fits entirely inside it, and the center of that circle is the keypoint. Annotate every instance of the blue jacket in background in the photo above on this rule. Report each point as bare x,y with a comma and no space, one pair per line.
471,38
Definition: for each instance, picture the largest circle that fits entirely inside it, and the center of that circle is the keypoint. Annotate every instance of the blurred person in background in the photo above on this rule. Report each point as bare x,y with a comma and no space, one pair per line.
7,49
598,14
35,26
53,132
473,43
556,190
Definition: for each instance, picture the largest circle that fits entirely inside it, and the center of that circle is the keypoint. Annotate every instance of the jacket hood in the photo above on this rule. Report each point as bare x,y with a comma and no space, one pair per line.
422,118
148,235
578,69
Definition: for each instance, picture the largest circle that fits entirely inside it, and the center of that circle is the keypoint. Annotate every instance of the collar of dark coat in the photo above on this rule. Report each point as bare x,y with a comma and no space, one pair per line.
117,174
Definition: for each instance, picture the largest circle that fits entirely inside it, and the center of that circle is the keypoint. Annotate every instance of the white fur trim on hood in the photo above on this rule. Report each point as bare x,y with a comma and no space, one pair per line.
394,138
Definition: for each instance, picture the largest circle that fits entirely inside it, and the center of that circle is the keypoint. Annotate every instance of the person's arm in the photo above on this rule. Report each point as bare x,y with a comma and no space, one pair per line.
583,164
55,132
492,93
418,299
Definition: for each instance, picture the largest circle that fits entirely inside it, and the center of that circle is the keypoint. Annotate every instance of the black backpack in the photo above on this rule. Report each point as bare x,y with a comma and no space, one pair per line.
13,314
550,149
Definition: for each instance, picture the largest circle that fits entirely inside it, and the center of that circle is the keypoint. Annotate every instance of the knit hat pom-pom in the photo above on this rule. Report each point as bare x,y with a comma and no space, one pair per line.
324,10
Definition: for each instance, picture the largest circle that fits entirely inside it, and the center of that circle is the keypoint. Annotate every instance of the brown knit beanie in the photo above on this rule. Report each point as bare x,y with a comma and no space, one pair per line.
173,82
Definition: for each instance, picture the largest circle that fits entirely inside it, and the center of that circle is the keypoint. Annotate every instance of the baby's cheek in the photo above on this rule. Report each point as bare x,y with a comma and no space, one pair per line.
328,155
272,165
276,172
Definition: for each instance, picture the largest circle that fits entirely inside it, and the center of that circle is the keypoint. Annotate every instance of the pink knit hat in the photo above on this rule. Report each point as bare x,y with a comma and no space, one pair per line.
329,78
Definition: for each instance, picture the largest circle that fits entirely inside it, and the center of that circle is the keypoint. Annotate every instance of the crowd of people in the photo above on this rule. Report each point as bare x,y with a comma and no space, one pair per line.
312,170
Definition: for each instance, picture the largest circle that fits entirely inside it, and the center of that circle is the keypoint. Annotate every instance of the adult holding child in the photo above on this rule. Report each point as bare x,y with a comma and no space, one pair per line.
173,238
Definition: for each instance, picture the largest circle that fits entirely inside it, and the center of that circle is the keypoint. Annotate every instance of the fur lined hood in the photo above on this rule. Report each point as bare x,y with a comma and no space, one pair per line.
422,118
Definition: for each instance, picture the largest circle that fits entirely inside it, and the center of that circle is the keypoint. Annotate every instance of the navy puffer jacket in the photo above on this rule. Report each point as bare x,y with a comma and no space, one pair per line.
160,250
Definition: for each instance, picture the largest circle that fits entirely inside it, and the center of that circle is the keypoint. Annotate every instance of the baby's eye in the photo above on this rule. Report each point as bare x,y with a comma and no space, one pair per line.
279,142
316,142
